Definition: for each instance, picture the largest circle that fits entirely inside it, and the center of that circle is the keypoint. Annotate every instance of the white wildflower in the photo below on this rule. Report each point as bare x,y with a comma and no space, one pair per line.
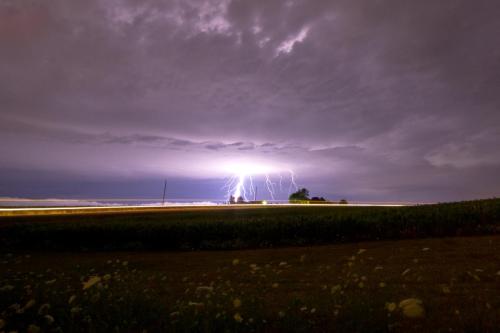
412,308
236,302
91,282
238,317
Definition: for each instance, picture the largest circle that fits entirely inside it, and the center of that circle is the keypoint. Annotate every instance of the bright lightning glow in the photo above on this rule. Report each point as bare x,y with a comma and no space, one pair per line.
249,168
240,185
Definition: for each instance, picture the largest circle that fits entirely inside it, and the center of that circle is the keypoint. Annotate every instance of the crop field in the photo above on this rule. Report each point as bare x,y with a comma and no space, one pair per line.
321,269
247,228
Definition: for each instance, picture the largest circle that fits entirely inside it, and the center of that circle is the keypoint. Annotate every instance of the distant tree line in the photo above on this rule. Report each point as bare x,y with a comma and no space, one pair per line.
302,196
233,200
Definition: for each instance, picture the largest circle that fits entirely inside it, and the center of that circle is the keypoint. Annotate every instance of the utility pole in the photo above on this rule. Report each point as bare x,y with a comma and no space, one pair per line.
164,191
255,194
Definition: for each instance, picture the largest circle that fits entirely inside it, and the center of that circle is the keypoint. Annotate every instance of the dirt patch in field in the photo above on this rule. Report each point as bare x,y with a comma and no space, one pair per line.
428,284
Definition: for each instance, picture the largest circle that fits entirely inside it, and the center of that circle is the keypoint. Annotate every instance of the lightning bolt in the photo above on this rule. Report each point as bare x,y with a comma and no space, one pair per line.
292,182
241,185
270,186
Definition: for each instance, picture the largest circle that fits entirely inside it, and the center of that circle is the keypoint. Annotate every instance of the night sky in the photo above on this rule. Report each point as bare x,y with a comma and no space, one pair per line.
376,100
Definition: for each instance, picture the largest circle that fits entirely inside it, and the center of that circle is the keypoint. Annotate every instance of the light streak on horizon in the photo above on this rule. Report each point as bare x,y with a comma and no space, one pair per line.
68,210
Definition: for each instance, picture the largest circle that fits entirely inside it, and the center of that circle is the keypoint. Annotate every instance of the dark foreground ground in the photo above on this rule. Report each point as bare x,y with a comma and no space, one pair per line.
275,269
425,285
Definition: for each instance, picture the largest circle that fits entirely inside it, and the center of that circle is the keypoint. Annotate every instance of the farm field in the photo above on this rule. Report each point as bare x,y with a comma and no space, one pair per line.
279,269
230,228
450,284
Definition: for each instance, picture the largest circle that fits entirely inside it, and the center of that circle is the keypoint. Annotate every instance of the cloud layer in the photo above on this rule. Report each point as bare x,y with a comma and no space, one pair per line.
374,100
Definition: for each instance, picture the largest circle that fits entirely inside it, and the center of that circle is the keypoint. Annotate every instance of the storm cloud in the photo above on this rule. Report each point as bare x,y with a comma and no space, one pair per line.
370,100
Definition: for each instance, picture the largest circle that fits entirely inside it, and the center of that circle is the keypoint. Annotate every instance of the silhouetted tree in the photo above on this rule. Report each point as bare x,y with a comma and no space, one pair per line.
318,199
343,202
233,200
301,195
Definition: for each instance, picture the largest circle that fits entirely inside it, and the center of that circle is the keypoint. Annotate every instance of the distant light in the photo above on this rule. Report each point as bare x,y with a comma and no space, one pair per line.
264,202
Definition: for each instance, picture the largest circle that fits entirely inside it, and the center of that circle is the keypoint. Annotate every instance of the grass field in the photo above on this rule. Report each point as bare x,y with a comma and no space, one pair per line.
65,273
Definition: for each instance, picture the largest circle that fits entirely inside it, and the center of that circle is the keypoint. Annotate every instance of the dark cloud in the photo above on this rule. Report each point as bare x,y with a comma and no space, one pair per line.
379,100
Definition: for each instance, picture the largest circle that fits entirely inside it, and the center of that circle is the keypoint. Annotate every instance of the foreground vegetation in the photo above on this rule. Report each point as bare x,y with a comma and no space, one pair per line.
83,273
247,228
429,285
